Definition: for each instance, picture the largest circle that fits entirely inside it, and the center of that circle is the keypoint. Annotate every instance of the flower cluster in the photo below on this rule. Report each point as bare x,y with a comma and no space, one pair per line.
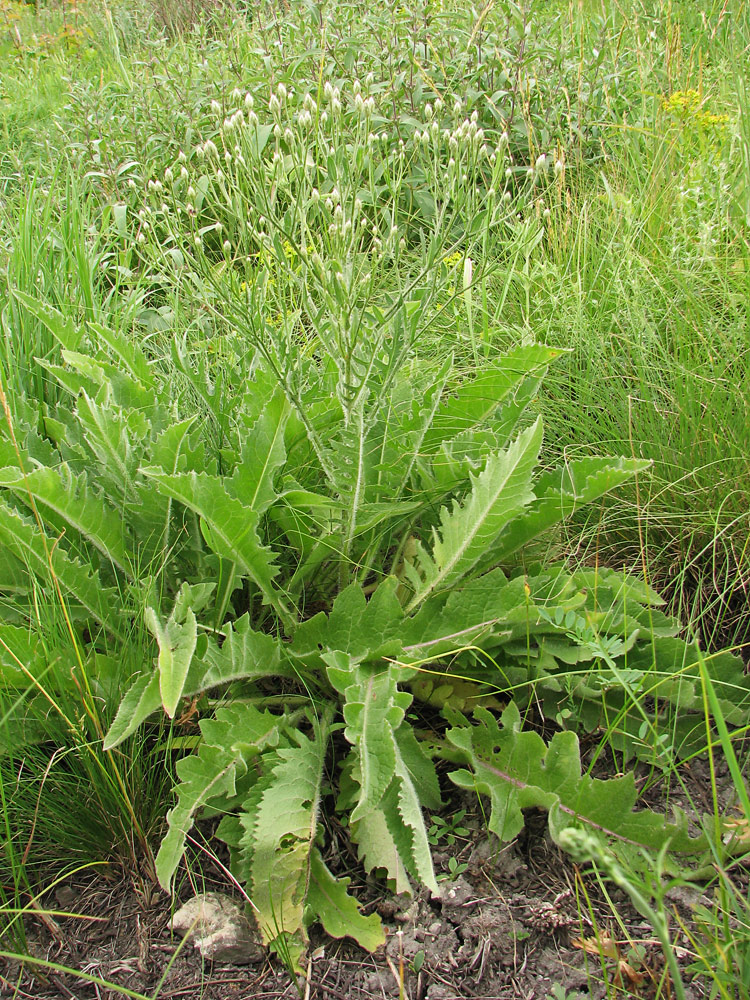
688,106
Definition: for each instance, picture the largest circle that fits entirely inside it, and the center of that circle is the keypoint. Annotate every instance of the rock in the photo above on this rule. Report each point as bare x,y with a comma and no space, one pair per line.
456,893
221,931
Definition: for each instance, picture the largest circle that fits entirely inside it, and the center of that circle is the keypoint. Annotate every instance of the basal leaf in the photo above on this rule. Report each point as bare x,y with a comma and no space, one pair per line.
230,740
475,403
142,699
373,709
402,810
282,840
337,911
560,493
22,537
244,654
517,770
263,453
71,497
232,529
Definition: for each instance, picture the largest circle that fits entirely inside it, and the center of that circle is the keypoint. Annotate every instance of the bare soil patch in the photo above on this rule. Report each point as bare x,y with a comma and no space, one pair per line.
512,921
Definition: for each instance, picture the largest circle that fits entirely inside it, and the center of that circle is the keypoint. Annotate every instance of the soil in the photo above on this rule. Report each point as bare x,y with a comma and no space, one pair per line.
513,921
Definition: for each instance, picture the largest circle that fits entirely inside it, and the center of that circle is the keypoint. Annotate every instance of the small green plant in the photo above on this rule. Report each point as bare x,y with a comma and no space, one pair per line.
455,868
447,830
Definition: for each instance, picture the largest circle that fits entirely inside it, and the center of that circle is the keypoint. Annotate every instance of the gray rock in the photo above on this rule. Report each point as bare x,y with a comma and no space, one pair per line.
221,932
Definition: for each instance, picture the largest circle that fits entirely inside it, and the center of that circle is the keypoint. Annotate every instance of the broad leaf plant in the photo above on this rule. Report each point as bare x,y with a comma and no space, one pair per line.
353,560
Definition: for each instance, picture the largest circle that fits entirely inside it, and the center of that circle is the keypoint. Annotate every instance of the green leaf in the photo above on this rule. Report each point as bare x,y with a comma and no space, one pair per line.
142,699
475,403
403,814
130,357
337,910
560,493
232,530
282,840
44,555
263,454
70,497
176,641
518,770
244,654
373,709
62,327
230,740
467,531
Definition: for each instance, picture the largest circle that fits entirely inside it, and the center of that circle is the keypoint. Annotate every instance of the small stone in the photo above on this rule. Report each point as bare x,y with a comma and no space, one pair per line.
221,932
456,893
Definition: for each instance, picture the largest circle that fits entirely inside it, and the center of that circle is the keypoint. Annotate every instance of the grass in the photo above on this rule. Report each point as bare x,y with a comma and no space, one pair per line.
617,151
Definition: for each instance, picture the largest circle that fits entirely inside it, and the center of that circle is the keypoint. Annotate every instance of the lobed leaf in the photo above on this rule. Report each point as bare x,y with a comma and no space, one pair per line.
517,770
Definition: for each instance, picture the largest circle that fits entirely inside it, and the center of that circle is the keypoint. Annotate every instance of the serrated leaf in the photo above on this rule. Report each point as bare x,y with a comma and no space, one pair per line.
475,403
233,529
365,629
263,453
244,654
465,534
337,910
373,709
129,355
282,840
23,538
61,327
403,815
517,770
230,740
71,497
142,699
560,493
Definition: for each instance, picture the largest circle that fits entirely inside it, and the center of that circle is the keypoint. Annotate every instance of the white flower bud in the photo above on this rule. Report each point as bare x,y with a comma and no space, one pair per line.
168,175
181,158
215,107
249,101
